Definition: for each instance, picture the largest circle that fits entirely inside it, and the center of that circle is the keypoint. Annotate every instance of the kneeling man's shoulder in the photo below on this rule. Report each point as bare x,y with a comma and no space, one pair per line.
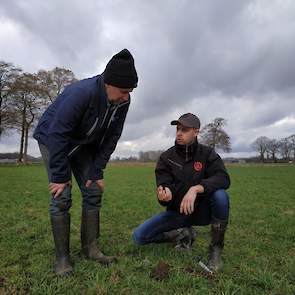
204,149
168,153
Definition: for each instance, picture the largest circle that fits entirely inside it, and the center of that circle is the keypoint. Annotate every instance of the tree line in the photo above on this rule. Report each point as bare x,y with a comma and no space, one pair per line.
212,134
24,97
274,149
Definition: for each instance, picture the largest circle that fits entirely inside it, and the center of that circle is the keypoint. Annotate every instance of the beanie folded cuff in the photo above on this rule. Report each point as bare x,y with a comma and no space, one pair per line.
120,81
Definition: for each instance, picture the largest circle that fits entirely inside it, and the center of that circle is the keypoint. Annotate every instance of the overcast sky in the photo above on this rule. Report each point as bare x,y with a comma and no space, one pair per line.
230,59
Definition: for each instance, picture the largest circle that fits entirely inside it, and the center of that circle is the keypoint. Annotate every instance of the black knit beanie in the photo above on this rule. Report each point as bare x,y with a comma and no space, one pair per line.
120,71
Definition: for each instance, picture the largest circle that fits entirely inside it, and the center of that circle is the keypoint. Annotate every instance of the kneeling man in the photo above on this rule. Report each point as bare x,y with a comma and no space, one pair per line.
191,183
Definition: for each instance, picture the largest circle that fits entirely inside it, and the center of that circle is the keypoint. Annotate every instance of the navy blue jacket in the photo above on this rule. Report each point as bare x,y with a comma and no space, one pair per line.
81,116
181,167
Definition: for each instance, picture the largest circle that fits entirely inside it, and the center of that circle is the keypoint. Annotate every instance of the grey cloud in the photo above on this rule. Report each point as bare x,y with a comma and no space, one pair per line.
193,57
268,110
67,28
215,58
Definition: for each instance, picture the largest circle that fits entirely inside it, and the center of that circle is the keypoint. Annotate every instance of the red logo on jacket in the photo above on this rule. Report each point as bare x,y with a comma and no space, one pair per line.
198,166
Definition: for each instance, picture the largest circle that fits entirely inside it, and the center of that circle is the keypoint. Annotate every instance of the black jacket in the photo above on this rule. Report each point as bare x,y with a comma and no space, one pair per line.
81,116
181,167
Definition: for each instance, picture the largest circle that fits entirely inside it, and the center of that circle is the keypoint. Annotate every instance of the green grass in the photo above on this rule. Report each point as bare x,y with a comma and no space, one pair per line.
258,256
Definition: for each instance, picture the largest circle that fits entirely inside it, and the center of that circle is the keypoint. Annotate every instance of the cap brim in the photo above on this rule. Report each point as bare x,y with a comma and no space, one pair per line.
183,123
174,122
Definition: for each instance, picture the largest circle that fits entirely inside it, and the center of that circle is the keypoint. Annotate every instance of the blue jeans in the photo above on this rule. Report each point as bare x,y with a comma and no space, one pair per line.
80,165
151,231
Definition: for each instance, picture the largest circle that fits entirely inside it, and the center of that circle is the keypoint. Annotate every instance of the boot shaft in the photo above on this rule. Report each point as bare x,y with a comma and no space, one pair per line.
218,228
89,234
89,227
61,234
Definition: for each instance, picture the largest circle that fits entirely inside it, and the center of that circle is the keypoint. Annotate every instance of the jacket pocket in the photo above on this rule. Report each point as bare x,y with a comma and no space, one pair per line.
176,164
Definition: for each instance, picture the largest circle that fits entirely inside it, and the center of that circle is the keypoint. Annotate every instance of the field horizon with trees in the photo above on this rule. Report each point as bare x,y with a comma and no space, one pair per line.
25,96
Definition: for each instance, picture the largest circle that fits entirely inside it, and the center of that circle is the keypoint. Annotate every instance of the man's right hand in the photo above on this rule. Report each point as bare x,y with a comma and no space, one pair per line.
57,188
164,194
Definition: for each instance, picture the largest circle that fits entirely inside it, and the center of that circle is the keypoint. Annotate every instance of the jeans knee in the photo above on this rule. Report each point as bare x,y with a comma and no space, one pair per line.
62,203
138,237
220,204
220,198
60,207
91,202
92,190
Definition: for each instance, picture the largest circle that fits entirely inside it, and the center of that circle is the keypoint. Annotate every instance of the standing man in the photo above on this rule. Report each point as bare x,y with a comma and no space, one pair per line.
191,182
78,133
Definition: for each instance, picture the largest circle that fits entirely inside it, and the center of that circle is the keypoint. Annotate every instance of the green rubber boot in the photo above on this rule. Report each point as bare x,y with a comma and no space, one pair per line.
89,235
61,235
218,228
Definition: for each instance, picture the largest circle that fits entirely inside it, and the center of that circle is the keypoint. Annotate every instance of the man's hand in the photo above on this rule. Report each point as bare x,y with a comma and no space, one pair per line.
164,194
57,188
100,184
187,205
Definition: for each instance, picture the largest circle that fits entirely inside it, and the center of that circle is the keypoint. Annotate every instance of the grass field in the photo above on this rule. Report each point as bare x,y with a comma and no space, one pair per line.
259,255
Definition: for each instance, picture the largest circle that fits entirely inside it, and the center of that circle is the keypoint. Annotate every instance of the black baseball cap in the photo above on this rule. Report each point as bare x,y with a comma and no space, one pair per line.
188,120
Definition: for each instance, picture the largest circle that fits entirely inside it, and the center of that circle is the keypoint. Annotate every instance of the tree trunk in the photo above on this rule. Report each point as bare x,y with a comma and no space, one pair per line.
0,114
21,151
26,145
28,126
274,157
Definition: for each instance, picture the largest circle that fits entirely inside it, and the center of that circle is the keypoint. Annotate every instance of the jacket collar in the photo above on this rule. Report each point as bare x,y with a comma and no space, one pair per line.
186,151
99,96
103,90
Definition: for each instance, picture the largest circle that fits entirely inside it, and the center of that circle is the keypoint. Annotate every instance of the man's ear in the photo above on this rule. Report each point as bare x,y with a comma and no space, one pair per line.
197,131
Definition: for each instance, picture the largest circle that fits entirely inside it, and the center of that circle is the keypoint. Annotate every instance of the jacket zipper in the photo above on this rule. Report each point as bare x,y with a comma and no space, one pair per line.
92,128
73,150
109,123
105,116
95,123
89,132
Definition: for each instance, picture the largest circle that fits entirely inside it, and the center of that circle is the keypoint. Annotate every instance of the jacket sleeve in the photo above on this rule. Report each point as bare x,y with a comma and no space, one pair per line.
216,174
67,117
164,177
108,146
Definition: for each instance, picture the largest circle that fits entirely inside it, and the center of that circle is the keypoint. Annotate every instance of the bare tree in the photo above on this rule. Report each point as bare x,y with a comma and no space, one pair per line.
27,101
8,74
292,144
260,146
215,136
272,147
28,95
285,148
53,82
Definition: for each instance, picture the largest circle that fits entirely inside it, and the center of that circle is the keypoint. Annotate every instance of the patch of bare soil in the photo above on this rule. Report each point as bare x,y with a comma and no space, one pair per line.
160,271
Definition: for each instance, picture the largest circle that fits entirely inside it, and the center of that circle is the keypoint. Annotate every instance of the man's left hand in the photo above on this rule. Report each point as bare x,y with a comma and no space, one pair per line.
187,205
99,182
